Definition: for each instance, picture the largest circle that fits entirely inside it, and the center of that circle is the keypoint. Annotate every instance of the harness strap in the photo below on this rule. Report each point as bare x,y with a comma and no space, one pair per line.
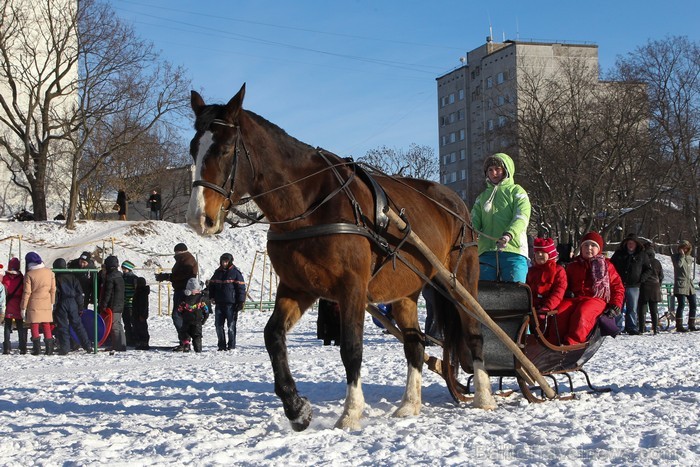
318,230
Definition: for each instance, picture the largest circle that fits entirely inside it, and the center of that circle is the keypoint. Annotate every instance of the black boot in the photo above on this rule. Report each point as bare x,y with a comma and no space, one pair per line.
197,344
6,348
36,346
22,332
49,343
679,325
691,324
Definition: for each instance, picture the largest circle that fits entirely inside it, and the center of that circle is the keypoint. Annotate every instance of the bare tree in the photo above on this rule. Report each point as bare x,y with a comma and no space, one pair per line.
82,87
670,69
417,161
584,151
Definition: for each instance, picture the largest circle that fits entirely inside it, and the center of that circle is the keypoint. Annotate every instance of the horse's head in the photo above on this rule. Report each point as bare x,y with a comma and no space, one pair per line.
220,177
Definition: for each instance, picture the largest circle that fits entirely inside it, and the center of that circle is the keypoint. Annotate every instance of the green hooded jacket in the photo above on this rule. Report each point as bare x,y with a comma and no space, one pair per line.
501,209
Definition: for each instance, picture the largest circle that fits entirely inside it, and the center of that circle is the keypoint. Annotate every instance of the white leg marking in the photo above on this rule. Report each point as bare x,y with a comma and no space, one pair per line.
411,401
483,399
352,411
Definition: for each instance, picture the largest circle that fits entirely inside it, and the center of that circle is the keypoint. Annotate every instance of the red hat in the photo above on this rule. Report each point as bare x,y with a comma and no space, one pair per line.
593,237
546,245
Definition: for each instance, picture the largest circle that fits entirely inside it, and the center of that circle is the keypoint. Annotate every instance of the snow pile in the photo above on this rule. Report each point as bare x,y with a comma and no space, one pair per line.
159,408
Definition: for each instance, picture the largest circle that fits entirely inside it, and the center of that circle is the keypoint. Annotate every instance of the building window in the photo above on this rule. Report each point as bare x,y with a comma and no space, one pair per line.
444,140
453,116
501,77
500,100
452,98
502,120
461,135
461,94
443,101
453,157
453,137
460,114
489,125
463,174
462,154
489,82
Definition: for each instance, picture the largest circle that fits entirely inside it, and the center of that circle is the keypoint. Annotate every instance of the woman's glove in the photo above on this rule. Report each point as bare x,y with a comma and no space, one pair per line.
612,311
23,313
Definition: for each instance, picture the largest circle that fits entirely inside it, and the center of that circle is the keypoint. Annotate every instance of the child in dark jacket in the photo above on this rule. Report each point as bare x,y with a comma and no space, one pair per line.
140,314
193,311
66,312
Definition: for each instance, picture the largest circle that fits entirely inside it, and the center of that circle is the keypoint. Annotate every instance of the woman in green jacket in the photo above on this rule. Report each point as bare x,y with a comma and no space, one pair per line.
500,215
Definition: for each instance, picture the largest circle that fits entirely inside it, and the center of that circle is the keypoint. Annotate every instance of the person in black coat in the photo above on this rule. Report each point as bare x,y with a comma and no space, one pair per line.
227,291
629,261
112,297
328,322
69,301
121,201
140,314
650,291
154,202
84,261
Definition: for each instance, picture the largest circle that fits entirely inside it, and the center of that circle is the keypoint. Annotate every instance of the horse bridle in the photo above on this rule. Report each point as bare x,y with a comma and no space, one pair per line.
234,167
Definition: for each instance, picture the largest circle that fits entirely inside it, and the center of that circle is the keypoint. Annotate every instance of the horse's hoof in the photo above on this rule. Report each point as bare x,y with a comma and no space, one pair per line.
407,410
485,403
348,423
303,419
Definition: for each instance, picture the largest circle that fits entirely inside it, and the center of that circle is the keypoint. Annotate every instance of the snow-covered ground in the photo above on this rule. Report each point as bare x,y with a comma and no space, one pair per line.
159,408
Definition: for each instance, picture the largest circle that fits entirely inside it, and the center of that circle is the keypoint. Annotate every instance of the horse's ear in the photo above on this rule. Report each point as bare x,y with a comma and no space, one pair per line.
234,106
196,102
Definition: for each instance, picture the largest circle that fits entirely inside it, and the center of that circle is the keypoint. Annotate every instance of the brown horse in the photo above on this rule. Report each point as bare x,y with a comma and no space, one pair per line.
309,196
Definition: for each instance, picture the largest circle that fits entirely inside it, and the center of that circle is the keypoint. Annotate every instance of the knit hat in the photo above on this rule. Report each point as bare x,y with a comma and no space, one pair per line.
111,262
128,265
193,287
13,265
32,257
59,263
85,256
684,244
595,238
180,247
546,245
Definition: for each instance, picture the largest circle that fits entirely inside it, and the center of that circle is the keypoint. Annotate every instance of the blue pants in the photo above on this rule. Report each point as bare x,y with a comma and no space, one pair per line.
512,267
66,318
226,313
628,319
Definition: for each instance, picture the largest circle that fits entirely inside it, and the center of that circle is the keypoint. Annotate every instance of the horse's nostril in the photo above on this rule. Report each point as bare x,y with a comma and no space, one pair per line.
208,221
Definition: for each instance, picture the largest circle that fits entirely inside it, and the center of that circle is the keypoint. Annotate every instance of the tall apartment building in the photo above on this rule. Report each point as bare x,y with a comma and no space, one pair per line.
479,97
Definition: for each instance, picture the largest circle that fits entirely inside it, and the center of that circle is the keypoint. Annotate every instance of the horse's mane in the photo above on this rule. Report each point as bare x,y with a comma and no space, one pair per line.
276,130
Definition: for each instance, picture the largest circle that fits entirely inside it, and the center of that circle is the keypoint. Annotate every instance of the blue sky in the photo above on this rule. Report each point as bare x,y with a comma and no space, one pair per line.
350,76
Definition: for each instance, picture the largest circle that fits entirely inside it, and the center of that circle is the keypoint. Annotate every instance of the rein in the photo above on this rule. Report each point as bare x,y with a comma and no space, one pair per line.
306,232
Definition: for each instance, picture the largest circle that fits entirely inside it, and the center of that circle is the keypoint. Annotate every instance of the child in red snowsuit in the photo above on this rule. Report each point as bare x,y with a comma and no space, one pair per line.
596,288
547,281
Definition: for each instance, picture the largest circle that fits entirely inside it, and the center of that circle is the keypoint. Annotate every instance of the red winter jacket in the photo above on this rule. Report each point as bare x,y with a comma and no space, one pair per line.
14,287
581,282
548,284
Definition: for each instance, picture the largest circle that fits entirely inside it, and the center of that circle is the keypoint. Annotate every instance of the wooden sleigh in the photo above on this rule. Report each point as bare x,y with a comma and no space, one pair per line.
509,305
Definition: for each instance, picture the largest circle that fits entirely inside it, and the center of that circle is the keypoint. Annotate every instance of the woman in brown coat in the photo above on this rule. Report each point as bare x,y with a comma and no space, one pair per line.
37,301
